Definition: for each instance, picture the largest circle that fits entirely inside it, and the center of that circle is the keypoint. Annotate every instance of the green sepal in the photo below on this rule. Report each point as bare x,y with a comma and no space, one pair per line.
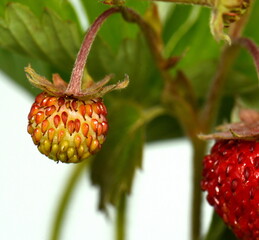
58,86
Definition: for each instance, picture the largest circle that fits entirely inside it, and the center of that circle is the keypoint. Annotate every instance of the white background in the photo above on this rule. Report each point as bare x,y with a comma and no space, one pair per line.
31,184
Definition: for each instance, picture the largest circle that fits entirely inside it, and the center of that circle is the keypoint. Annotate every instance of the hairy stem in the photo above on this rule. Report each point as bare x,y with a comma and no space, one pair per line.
64,202
74,86
121,218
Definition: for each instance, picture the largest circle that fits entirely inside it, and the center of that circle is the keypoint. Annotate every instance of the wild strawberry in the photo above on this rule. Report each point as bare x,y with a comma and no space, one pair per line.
66,128
231,175
68,122
231,178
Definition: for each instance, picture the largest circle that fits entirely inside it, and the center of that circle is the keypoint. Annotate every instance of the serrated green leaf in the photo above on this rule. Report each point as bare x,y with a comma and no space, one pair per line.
54,42
67,36
63,7
7,40
114,167
13,65
50,38
24,27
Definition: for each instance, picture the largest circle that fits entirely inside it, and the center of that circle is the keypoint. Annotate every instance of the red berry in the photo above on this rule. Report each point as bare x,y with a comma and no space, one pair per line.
231,179
67,129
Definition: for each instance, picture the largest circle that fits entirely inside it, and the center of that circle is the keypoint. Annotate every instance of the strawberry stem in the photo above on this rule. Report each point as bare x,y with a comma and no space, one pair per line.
121,218
74,86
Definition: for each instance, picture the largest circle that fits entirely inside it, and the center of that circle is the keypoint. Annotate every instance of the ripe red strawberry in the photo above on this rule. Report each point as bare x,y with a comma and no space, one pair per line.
231,179
66,128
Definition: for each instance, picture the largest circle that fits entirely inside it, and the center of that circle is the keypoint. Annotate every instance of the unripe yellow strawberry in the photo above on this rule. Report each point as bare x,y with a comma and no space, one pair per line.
67,129
68,121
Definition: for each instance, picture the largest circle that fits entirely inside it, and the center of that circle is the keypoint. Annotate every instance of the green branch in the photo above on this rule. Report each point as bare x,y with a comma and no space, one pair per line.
121,218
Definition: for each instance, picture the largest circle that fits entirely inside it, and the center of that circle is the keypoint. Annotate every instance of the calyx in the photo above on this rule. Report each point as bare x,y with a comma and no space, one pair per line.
246,129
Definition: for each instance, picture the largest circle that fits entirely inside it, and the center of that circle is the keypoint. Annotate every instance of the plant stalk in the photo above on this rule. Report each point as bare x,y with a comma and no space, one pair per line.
121,218
64,202
199,148
74,86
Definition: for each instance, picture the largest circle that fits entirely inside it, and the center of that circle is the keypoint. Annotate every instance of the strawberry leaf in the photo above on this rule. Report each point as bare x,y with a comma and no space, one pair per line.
193,34
187,36
48,38
13,65
114,167
63,7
